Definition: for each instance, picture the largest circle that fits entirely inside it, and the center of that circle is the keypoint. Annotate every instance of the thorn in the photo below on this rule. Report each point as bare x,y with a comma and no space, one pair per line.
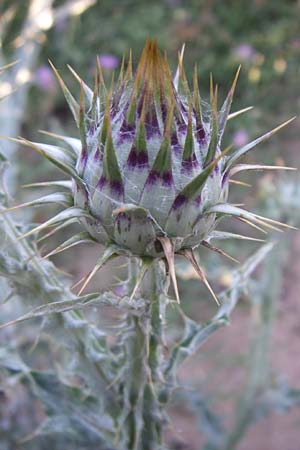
237,113
235,80
220,251
75,285
100,73
244,167
211,87
240,183
285,225
144,268
108,254
189,254
265,223
251,224
169,254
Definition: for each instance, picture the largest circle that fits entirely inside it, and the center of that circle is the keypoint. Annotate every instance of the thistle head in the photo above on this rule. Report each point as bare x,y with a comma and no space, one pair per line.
150,160
149,175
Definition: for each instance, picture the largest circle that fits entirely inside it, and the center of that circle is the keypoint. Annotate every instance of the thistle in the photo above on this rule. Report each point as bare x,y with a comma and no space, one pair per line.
150,178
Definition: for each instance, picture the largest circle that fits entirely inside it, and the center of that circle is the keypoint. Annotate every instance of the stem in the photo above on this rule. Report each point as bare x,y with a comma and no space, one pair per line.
144,358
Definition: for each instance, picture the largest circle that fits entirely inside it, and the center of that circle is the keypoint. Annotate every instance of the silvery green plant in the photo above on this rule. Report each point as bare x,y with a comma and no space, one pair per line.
149,181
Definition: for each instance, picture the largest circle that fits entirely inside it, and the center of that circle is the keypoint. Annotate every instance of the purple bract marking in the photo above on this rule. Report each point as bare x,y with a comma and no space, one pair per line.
200,134
98,156
117,187
216,169
91,130
182,128
179,201
198,200
190,163
102,182
126,132
167,179
137,159
224,179
176,147
83,158
152,177
151,123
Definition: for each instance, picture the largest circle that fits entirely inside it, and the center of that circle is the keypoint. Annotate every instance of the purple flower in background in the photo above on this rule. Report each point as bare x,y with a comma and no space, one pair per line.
44,78
108,61
244,52
240,138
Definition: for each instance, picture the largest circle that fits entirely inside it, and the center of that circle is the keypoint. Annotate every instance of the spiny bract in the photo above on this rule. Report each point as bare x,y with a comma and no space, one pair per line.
149,175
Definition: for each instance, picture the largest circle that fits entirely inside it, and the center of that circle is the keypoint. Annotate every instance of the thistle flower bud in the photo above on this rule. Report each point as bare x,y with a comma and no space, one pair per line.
149,175
151,165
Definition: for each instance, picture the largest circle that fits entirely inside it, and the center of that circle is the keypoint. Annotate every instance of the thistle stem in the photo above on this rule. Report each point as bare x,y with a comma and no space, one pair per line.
144,359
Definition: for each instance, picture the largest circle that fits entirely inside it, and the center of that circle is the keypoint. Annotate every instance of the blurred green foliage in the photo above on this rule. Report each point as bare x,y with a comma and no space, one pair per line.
261,35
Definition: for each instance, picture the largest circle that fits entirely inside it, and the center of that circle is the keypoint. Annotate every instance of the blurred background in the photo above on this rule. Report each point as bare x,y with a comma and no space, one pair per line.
264,37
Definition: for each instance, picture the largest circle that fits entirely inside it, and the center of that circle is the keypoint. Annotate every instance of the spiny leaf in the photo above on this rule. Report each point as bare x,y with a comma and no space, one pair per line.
252,144
88,91
231,210
146,263
69,213
56,229
61,306
243,167
219,251
74,143
109,253
189,254
57,157
81,238
224,113
73,105
221,235
59,198
65,184
169,254
214,133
